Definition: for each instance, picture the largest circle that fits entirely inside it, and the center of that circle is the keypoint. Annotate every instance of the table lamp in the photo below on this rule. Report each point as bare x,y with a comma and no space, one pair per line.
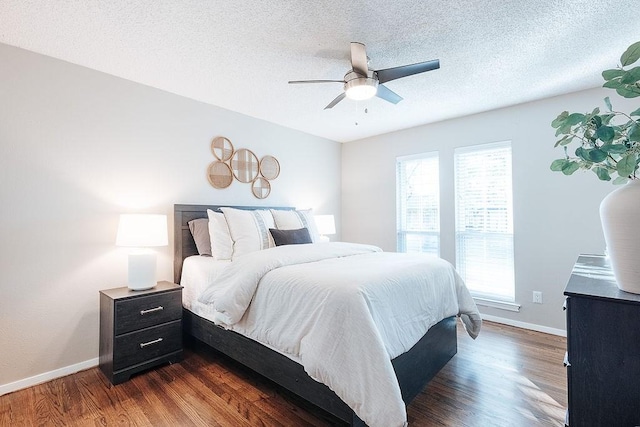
326,225
142,231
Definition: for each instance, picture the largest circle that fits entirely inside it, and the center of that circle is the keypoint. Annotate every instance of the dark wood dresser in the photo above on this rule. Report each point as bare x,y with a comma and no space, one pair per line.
603,348
139,329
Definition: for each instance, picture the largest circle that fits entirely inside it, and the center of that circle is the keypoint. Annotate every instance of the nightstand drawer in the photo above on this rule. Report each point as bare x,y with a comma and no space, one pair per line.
146,344
137,313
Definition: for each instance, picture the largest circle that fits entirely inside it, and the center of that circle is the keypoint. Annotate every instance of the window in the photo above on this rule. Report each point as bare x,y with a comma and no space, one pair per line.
484,220
418,203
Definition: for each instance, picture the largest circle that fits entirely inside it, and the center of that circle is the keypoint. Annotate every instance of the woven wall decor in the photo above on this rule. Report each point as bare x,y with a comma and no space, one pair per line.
261,188
219,174
243,165
222,148
269,167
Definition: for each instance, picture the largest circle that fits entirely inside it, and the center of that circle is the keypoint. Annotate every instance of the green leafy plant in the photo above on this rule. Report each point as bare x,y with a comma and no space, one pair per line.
609,142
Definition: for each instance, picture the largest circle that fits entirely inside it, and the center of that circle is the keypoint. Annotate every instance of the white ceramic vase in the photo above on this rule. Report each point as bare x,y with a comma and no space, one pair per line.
620,216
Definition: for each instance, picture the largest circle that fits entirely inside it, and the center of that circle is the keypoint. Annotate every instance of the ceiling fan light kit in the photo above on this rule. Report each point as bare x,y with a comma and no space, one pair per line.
360,88
361,83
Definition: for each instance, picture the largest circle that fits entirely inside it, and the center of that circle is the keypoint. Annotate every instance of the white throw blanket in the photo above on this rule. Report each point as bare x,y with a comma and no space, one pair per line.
343,311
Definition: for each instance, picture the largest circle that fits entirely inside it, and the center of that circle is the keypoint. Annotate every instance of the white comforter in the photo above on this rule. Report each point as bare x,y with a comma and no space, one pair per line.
343,311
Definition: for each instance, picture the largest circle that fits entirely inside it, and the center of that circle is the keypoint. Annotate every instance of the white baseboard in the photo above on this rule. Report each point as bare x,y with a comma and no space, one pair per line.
47,376
523,325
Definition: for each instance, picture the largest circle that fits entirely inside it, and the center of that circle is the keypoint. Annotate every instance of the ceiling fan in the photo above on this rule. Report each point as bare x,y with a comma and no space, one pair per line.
363,83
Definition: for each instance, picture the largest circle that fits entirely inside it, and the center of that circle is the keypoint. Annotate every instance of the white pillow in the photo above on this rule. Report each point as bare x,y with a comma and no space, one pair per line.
221,243
293,220
249,230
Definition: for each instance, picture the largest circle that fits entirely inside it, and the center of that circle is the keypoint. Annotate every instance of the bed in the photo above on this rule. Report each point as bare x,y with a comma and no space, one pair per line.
413,369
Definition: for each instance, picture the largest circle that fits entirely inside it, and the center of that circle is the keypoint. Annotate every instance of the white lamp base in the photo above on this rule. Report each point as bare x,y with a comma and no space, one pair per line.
142,270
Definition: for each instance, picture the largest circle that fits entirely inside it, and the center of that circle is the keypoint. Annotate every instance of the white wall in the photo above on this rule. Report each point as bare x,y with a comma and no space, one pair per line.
555,217
78,147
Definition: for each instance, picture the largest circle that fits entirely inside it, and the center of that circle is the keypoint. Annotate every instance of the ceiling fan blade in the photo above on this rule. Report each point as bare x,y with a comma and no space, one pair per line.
359,59
295,82
388,95
335,101
389,74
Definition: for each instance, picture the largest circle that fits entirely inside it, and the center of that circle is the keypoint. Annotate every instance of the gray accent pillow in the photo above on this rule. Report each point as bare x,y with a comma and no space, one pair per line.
200,232
290,237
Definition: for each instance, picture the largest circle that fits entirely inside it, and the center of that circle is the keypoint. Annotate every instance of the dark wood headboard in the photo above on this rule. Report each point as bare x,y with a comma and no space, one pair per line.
183,243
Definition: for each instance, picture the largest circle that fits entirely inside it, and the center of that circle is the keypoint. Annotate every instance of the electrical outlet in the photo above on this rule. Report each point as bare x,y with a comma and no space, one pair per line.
537,297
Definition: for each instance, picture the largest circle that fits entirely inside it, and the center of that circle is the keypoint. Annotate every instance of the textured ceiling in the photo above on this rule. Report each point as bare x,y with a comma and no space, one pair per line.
239,54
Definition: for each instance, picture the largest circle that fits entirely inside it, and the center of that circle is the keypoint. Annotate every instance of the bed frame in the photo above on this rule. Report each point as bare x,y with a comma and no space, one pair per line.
414,369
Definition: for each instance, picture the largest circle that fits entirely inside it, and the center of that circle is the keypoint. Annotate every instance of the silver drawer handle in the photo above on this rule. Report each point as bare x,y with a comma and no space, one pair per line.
565,362
144,344
564,305
151,310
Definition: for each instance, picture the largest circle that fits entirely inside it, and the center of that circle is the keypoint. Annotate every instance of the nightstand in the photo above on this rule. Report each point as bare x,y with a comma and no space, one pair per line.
139,329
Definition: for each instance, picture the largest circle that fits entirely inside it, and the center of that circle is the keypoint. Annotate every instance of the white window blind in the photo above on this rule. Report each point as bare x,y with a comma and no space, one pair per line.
484,220
418,203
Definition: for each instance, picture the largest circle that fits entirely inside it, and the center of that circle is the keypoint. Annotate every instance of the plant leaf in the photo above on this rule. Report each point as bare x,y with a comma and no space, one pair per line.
565,128
602,173
631,76
564,140
606,118
634,132
582,153
620,180
627,165
605,133
608,102
614,148
597,155
612,74
558,121
628,91
612,84
570,167
630,55
574,119
557,165
635,113
597,121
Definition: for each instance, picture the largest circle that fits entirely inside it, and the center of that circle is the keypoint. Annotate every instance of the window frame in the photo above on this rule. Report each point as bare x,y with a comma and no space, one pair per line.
484,236
402,232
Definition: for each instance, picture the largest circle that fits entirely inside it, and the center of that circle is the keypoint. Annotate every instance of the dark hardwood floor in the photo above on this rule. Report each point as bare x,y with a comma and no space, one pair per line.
507,377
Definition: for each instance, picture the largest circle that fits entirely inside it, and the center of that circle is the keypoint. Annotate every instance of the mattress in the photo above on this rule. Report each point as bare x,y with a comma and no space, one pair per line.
198,272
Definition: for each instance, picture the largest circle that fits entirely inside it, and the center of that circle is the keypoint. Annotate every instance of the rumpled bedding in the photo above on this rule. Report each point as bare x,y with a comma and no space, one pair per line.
343,311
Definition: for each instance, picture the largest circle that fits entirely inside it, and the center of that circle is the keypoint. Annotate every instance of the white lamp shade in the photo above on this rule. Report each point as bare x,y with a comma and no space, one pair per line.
142,230
325,224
